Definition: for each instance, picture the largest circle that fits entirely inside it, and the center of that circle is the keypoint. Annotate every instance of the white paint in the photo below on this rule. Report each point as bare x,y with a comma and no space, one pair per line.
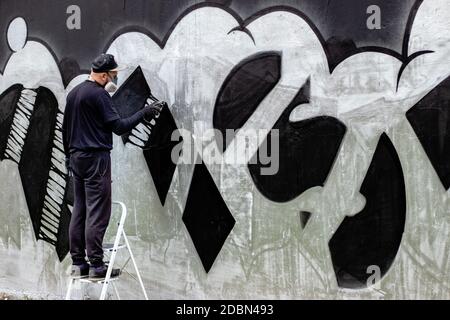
17,34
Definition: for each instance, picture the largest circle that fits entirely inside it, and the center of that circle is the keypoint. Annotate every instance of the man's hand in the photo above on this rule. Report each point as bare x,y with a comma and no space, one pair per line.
153,109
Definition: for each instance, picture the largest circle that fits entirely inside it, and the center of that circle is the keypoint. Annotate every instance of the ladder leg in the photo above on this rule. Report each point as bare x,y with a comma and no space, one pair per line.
69,288
114,251
104,289
135,265
116,291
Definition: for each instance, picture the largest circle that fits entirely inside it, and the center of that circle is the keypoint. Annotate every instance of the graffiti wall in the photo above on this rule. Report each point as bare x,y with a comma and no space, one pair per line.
304,153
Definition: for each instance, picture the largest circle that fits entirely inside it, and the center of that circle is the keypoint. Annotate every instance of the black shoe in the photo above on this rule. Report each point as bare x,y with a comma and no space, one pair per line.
100,272
80,270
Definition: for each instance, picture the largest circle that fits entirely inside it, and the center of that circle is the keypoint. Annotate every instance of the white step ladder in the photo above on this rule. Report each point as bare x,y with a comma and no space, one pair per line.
112,248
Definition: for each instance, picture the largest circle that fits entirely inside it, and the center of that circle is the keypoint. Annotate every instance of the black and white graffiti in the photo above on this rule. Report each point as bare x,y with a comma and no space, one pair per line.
31,137
363,128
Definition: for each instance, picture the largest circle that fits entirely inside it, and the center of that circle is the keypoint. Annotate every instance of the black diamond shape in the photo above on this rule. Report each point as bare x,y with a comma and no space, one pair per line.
206,216
430,118
130,98
158,153
162,168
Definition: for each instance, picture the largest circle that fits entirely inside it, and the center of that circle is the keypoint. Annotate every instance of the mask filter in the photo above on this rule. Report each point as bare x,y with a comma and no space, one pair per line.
111,86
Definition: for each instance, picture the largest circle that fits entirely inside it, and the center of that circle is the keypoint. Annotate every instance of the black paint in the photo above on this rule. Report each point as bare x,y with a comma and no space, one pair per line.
373,236
304,218
8,102
131,97
158,153
34,167
244,89
206,216
307,152
430,119
36,154
332,20
34,159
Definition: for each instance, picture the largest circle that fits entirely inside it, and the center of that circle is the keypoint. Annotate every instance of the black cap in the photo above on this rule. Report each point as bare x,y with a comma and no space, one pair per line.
104,63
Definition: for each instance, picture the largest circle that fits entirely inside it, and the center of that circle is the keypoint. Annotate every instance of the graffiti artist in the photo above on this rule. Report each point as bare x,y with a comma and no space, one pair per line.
90,119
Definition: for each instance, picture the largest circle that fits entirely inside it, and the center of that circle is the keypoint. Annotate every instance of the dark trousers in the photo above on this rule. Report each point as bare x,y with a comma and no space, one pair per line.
92,205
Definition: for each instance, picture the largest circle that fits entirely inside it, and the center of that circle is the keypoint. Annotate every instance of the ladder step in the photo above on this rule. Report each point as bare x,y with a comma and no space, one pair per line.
99,280
108,247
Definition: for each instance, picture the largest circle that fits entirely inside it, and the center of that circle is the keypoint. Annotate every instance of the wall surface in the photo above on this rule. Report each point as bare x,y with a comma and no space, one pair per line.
353,201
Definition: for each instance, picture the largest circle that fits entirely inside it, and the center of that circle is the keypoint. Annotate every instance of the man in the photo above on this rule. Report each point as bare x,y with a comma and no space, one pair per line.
89,121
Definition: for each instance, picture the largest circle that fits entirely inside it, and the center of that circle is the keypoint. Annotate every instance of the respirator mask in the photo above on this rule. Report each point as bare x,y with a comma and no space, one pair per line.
111,86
